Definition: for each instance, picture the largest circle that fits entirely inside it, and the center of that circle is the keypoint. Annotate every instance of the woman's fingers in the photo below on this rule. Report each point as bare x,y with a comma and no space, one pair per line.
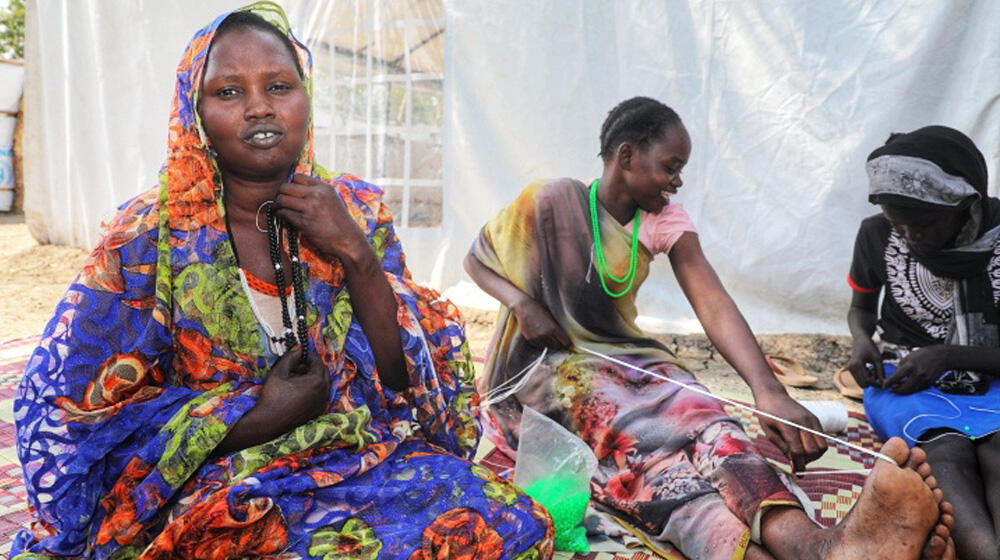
909,378
774,435
318,369
906,389
815,446
302,186
292,217
306,192
291,202
301,183
860,373
913,383
796,450
303,179
788,441
285,363
866,365
901,373
295,190
877,368
806,447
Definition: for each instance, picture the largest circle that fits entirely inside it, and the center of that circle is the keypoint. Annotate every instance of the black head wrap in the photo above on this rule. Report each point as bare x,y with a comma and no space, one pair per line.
939,168
954,152
930,166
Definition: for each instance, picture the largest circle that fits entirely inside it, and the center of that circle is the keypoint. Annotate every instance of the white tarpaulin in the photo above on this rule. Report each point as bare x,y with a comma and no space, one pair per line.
99,80
784,100
783,103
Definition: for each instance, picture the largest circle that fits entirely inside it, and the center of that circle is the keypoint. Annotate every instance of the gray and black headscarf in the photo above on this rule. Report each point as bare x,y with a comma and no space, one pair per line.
939,168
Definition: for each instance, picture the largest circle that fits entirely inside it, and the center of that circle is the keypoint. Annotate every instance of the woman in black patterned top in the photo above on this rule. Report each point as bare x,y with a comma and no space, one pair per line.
933,255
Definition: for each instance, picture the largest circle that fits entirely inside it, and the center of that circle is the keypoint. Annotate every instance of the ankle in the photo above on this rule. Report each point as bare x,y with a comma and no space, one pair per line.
787,532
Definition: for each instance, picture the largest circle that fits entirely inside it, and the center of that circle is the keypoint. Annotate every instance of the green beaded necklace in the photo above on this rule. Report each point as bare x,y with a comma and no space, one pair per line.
602,265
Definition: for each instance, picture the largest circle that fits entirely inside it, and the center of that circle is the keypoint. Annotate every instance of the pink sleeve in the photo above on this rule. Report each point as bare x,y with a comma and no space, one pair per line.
659,232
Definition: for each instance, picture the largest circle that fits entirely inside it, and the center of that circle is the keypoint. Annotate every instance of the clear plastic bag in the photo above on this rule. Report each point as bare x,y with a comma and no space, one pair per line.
554,467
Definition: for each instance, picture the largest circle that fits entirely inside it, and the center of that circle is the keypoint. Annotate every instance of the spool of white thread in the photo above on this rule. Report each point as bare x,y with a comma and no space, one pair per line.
832,415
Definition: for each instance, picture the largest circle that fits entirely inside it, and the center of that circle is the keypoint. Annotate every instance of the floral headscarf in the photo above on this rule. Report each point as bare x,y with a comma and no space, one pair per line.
155,353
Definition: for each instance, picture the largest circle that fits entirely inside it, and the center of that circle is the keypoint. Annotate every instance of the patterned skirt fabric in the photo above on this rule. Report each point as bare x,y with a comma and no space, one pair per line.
422,504
833,483
832,493
671,462
419,503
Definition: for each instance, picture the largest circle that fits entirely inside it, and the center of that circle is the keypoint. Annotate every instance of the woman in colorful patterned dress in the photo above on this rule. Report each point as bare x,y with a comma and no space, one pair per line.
245,368
565,260
933,254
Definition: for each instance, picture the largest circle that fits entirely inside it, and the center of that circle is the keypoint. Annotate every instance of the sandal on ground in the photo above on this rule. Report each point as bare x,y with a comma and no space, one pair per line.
847,386
789,372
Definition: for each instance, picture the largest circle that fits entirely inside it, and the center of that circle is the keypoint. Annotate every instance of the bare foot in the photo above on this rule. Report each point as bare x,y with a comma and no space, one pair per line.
900,515
896,513
892,520
939,541
939,545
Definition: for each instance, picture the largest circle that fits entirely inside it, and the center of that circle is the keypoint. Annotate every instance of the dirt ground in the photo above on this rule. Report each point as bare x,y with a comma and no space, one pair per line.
36,276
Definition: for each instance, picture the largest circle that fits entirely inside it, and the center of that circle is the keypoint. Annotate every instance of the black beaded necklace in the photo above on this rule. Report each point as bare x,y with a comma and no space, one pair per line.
298,293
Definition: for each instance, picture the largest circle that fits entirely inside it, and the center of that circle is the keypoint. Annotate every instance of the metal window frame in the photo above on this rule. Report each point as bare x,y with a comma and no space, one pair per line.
375,73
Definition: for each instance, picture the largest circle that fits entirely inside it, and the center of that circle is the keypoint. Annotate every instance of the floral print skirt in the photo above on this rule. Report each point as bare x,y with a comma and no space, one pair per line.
671,461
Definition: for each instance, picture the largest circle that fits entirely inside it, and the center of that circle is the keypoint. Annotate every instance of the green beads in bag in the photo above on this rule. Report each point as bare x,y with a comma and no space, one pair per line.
554,467
563,498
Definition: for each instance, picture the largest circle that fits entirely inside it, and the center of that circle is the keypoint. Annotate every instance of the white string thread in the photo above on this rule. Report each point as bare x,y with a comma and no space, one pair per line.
958,414
788,470
845,471
513,384
875,454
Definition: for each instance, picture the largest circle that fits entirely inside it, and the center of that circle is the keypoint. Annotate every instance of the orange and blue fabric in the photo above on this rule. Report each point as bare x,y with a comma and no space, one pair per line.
155,352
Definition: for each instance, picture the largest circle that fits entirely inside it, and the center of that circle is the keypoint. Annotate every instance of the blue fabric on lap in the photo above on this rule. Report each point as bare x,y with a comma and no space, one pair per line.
910,416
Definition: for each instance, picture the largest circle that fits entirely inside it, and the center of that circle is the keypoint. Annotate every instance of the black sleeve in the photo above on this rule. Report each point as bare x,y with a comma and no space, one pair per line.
867,274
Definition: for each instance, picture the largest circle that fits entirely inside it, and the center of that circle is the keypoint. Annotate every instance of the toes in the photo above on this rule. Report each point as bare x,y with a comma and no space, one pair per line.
947,552
924,470
935,548
946,508
897,450
916,458
931,483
